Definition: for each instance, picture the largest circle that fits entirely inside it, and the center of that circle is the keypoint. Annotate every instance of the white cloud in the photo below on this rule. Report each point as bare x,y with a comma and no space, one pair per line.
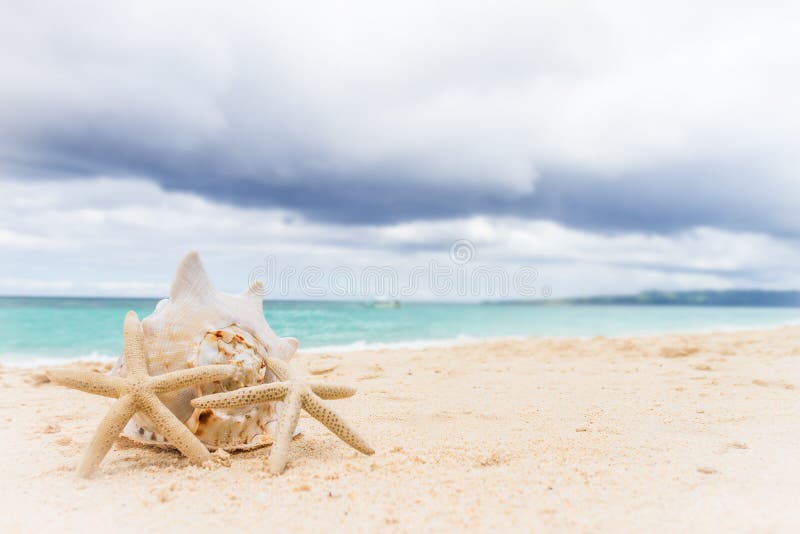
131,288
124,237
30,286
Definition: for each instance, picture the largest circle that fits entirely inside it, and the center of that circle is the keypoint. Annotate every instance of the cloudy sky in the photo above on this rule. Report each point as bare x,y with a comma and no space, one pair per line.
614,147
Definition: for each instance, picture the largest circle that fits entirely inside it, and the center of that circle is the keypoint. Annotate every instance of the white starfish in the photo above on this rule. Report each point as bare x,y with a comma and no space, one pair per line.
296,394
138,391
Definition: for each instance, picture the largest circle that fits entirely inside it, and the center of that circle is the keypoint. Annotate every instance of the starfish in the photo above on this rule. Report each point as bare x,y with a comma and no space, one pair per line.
296,393
138,391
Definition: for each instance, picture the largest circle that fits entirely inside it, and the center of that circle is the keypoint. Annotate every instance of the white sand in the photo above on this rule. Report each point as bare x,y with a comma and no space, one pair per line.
669,433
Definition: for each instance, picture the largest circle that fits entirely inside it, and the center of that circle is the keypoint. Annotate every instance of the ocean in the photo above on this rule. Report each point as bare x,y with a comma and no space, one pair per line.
36,331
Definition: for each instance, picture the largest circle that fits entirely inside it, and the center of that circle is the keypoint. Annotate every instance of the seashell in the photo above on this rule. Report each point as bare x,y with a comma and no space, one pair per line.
198,325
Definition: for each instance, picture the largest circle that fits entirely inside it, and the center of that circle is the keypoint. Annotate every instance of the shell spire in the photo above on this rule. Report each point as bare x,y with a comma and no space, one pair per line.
254,293
191,280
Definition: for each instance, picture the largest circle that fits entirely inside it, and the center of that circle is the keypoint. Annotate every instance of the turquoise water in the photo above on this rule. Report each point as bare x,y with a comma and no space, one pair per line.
39,330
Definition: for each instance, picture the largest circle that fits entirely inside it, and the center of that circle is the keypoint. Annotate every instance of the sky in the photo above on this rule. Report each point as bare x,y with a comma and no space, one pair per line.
608,147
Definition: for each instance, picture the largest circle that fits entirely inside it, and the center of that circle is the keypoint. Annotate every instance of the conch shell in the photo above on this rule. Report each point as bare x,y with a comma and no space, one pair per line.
198,325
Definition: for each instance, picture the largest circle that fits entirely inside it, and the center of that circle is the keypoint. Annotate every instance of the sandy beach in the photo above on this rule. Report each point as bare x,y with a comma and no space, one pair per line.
668,433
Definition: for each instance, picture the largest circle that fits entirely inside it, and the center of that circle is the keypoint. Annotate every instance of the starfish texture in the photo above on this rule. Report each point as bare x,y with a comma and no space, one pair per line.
296,393
138,391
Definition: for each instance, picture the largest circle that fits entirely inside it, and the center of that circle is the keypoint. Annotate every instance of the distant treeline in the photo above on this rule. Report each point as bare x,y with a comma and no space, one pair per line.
737,297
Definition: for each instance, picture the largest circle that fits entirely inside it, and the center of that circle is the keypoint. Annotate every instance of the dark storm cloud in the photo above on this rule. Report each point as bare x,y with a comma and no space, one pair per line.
672,199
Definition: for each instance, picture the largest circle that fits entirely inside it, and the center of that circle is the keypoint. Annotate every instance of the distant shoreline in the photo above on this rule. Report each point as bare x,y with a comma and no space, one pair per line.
753,298
750,298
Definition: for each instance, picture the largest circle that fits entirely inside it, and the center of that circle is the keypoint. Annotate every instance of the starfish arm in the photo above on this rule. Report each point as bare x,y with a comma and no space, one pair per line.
88,381
106,435
243,397
190,377
279,454
335,424
279,367
133,351
332,391
174,430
